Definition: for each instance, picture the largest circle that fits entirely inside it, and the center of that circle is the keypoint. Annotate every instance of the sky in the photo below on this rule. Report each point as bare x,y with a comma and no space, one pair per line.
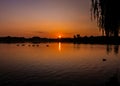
46,18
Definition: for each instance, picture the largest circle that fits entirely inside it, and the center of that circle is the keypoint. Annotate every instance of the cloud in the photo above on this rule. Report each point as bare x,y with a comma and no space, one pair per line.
68,33
40,32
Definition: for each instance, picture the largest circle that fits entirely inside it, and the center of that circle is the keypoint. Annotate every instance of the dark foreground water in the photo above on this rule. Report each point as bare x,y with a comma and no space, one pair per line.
59,64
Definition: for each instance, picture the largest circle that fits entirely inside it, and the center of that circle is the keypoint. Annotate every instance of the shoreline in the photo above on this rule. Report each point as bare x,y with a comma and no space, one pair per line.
80,40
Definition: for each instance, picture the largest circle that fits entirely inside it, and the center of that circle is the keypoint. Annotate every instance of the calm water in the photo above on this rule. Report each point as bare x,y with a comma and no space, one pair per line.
59,64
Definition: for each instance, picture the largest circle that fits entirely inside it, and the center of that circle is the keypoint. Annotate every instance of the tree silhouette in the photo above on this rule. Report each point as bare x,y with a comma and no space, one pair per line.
107,15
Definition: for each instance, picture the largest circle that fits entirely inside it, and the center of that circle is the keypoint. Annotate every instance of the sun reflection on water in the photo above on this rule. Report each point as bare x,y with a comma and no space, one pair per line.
59,46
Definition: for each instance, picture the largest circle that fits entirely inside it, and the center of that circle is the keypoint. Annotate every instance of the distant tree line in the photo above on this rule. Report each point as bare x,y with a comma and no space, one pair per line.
76,36
77,39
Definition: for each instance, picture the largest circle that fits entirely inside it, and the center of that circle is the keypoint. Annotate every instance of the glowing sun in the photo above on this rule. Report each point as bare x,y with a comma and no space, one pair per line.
59,36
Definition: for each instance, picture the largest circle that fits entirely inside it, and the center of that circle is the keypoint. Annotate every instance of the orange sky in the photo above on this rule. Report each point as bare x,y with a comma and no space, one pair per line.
46,18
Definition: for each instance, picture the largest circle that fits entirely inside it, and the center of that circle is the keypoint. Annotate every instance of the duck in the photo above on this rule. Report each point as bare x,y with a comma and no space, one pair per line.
47,45
104,59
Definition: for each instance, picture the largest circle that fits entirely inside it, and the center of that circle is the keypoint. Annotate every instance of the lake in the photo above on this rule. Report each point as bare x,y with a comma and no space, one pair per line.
59,64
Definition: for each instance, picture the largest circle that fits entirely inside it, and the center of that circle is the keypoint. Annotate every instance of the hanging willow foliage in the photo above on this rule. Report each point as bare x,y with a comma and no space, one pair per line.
107,14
